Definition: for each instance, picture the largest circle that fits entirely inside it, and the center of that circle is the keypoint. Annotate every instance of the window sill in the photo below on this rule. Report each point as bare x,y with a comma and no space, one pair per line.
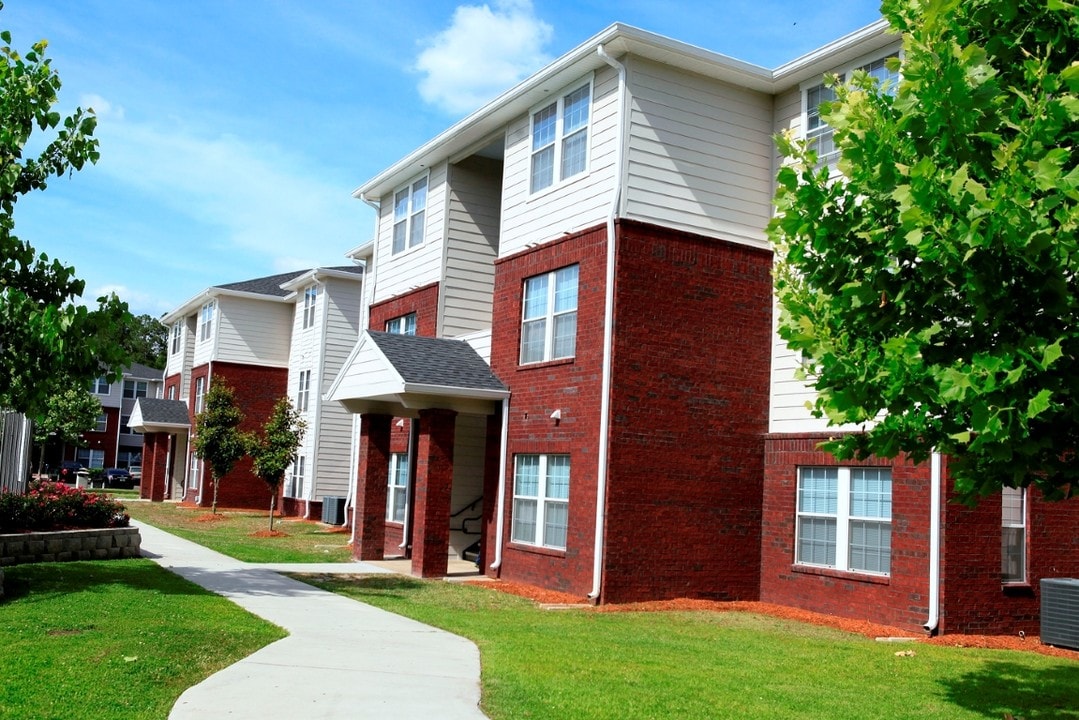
537,550
842,574
546,364
1023,589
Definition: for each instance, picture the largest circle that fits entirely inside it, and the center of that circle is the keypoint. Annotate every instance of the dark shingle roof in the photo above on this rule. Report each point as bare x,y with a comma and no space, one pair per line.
436,361
354,269
143,372
156,411
270,285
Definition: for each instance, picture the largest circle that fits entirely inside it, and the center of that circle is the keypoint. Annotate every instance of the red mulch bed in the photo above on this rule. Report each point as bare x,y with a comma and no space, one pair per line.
269,533
209,518
859,627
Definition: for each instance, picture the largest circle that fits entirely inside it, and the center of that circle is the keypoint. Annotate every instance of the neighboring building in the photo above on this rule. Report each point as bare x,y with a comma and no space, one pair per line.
113,442
595,388
249,334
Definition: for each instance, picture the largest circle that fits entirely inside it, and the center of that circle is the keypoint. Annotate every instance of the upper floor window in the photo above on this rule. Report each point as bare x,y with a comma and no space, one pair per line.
303,391
200,393
101,386
125,425
409,211
177,333
135,388
310,297
844,518
560,138
102,423
172,392
549,322
404,325
206,321
1013,535
541,500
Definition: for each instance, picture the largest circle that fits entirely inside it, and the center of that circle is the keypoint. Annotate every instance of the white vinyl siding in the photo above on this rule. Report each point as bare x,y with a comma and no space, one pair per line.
466,296
253,332
470,438
699,154
1013,535
580,202
419,266
541,500
844,519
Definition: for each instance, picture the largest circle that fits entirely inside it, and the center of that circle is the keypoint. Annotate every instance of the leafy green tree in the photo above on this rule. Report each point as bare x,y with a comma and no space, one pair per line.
932,289
47,340
218,440
66,416
275,449
149,341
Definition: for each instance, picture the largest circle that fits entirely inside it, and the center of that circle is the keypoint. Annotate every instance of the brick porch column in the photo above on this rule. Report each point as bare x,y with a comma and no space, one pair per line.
370,513
157,467
434,483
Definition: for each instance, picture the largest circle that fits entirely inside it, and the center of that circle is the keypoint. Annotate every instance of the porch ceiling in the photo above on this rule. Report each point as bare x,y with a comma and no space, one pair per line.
400,375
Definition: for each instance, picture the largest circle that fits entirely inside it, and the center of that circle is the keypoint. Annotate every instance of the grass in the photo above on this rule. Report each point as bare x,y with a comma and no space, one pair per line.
583,664
116,638
234,533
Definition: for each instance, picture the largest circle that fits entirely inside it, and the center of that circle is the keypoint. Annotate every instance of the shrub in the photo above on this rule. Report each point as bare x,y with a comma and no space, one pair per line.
56,506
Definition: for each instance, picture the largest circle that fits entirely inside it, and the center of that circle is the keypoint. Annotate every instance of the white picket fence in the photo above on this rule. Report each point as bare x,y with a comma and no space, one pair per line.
15,437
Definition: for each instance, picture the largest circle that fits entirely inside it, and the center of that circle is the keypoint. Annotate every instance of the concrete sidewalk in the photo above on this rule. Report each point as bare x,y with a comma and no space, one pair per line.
342,658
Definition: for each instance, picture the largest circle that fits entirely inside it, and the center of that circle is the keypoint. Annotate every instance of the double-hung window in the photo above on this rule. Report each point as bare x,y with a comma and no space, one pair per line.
1013,534
90,458
397,488
549,316
177,331
409,211
303,391
541,500
200,393
404,325
294,486
206,321
135,388
101,386
310,298
560,138
101,424
845,518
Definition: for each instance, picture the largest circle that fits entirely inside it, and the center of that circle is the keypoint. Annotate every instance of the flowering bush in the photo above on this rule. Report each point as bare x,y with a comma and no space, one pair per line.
56,506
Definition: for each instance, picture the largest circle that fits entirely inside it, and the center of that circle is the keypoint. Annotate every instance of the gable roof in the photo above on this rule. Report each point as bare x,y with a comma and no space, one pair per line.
143,372
269,285
157,415
403,374
264,288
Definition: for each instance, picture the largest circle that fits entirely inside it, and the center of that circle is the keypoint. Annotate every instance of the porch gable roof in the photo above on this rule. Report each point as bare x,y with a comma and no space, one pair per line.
157,415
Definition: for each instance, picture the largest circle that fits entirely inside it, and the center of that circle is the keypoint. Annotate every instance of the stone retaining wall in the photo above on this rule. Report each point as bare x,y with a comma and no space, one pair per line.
66,545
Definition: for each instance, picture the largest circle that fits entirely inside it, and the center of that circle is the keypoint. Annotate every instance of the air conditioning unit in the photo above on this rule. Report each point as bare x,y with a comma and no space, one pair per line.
333,510
1060,612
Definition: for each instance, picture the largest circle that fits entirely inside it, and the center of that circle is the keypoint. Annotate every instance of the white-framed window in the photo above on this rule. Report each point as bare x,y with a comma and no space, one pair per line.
549,316
102,423
404,325
310,299
397,488
303,390
845,518
541,500
172,392
818,133
1013,535
135,388
177,333
206,321
559,132
196,467
200,393
409,213
101,386
294,485
125,425
90,458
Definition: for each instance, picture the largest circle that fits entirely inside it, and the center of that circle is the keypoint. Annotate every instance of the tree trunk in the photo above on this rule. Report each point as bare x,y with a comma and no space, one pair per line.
213,504
40,460
273,499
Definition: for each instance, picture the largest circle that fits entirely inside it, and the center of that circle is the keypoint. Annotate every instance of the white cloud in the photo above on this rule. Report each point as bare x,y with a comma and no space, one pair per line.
102,107
485,50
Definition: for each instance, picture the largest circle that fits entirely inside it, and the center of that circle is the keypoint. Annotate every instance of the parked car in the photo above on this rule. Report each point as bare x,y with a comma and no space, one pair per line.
68,470
136,473
118,478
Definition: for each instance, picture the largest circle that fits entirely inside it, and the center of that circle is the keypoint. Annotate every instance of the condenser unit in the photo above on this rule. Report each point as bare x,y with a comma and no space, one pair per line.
1060,612
333,510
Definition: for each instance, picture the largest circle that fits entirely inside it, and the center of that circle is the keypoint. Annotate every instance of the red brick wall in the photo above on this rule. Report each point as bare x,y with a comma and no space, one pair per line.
257,388
689,411
973,598
172,381
900,600
572,386
423,302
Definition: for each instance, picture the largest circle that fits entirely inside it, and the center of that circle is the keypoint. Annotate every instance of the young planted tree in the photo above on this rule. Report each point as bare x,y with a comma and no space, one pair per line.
47,337
66,416
275,449
932,289
218,440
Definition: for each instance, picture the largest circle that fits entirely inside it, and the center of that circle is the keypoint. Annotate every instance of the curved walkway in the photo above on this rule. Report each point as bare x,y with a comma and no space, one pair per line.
342,658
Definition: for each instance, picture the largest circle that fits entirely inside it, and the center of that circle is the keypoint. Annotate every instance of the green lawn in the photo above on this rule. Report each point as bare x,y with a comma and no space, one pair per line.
112,639
585,664
234,533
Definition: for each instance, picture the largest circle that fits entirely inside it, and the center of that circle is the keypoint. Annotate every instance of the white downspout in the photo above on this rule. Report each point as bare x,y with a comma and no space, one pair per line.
608,334
935,484
405,528
502,457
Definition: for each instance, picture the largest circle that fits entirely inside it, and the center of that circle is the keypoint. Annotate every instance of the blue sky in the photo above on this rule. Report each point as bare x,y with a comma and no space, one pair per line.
233,132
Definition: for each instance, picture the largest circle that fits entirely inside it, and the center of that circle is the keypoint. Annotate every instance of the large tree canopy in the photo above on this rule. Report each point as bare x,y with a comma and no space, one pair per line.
47,340
931,290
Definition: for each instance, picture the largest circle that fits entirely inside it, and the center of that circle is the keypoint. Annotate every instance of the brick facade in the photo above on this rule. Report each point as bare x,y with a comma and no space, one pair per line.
422,301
